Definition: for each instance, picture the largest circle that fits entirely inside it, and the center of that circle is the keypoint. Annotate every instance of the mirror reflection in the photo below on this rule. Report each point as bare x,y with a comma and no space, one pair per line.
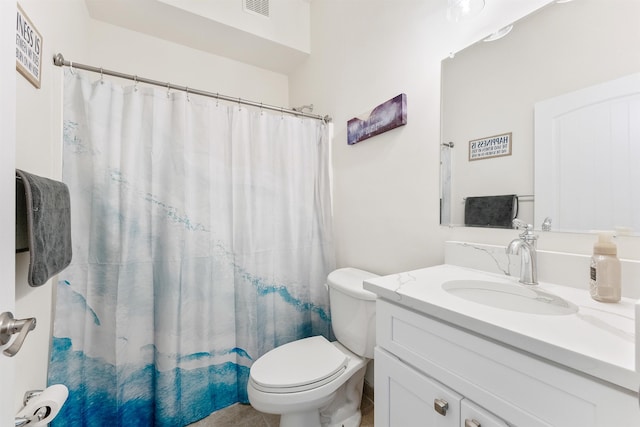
489,96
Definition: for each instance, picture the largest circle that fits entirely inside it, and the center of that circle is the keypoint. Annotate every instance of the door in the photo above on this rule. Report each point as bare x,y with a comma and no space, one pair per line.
407,398
7,196
587,141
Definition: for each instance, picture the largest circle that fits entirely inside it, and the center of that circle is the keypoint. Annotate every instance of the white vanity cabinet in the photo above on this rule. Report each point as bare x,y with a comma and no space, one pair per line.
420,359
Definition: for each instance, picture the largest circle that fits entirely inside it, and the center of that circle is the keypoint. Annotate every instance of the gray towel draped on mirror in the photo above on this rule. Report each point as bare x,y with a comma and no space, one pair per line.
491,211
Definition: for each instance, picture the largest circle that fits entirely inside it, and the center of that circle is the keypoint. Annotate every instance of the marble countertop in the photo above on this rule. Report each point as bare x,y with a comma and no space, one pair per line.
599,340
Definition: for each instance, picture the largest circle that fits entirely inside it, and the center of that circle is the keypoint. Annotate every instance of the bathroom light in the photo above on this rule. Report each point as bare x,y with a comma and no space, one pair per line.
499,34
460,9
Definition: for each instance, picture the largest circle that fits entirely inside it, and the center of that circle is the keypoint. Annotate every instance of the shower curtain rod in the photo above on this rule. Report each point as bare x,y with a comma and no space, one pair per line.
59,60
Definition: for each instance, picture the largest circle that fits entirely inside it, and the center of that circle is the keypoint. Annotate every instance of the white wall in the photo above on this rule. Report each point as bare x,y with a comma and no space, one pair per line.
387,188
66,28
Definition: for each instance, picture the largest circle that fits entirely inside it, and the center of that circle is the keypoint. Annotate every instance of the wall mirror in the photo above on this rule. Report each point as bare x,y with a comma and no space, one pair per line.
490,91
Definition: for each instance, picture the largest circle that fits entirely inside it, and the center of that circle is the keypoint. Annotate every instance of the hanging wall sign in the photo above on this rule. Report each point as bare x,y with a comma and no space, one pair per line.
493,146
384,117
28,49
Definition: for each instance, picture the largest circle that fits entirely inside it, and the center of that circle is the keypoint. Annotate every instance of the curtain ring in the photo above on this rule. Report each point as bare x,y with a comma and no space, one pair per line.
261,110
168,89
187,90
281,113
101,76
239,104
135,83
217,99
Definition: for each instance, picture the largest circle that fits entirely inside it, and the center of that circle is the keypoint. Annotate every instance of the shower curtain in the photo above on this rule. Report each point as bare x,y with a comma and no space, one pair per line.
201,239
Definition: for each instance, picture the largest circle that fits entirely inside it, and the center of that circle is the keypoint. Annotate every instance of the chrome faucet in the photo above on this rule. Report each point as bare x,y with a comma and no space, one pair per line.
525,245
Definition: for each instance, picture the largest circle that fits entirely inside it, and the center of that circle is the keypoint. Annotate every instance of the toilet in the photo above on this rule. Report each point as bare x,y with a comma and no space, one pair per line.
313,382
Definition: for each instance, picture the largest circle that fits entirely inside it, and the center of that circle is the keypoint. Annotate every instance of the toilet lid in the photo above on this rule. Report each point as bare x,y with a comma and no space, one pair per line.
299,365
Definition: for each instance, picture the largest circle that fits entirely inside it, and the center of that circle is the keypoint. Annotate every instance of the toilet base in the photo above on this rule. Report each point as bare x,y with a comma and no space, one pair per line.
297,419
344,409
353,421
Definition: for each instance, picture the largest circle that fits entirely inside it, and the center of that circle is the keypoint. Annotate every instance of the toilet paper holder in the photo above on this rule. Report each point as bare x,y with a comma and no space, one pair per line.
38,416
41,406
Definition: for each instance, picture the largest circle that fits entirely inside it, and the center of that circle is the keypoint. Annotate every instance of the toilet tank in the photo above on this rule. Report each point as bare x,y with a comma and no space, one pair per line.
353,310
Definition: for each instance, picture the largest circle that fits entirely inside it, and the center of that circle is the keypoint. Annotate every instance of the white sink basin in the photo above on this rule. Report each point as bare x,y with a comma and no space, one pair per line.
510,296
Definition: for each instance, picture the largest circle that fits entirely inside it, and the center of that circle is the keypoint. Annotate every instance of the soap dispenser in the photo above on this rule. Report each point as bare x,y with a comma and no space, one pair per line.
605,284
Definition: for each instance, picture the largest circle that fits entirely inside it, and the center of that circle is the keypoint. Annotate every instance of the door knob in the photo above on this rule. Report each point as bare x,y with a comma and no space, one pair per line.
10,326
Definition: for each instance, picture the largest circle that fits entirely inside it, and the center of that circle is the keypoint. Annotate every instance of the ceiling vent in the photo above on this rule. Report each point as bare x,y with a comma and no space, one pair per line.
257,7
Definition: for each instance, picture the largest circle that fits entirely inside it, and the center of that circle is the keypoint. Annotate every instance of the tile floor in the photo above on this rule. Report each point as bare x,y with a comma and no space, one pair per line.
240,415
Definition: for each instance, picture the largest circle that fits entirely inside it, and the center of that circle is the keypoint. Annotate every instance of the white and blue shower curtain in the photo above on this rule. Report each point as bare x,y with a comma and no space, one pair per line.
201,239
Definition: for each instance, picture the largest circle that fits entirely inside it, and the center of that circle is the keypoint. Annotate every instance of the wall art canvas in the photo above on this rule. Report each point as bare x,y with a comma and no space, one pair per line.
386,116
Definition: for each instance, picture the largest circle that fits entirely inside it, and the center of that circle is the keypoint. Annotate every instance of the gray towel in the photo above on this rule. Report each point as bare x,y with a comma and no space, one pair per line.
491,211
49,226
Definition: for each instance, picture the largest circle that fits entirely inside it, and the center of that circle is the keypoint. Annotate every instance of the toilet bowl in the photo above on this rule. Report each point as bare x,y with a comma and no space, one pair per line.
316,383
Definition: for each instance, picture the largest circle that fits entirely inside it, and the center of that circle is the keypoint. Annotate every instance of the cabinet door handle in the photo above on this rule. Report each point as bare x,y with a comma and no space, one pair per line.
441,406
471,423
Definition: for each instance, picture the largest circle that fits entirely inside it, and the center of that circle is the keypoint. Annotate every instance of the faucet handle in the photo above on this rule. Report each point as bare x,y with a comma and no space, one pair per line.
527,233
519,225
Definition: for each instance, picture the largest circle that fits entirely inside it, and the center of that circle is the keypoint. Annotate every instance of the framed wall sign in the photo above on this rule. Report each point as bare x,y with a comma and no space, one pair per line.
493,146
28,48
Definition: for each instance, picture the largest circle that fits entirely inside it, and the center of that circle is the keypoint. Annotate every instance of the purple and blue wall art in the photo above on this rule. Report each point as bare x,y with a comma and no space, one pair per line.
386,116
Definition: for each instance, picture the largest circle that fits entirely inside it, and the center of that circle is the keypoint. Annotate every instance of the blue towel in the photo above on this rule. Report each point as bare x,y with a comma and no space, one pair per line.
48,225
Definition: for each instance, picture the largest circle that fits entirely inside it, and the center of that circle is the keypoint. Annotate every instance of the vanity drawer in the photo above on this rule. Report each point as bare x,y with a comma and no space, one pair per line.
520,388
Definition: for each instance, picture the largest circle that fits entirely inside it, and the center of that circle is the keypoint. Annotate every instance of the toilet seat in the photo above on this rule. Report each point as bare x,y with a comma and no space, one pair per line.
298,366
